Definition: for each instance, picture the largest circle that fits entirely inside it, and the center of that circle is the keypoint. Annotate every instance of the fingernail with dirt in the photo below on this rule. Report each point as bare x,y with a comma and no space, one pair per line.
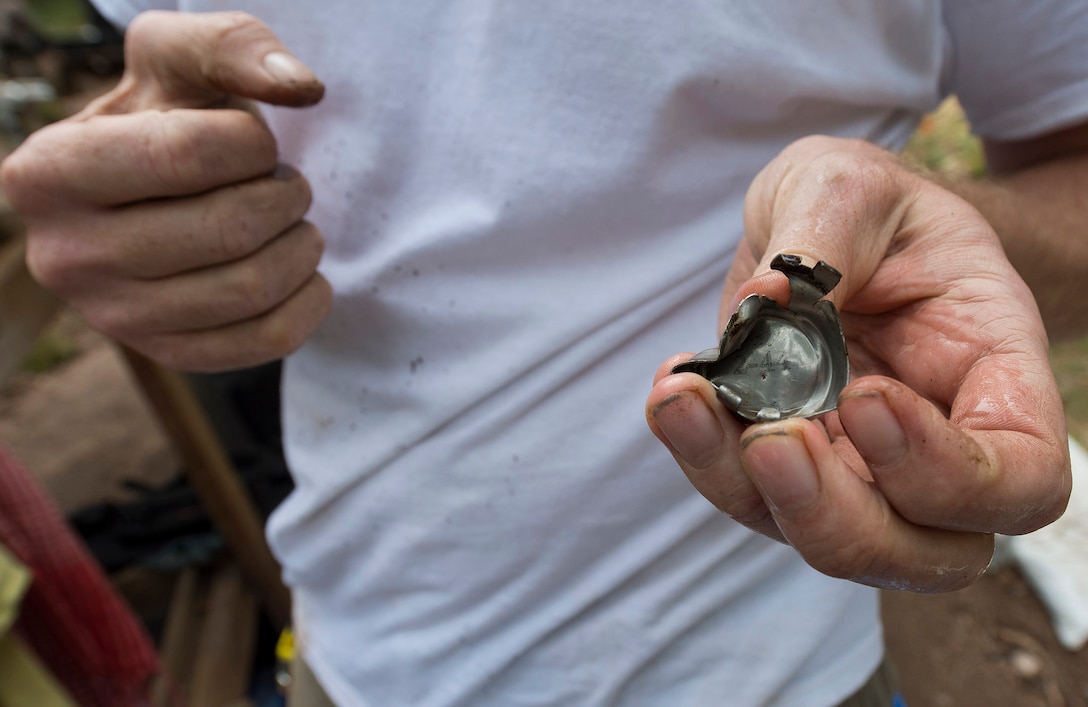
286,68
779,464
879,438
692,429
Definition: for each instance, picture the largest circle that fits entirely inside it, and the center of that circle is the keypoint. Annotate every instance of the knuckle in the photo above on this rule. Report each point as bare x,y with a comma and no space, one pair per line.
254,214
117,320
43,265
170,151
280,335
847,550
32,174
253,291
283,202
307,190
853,177
231,31
303,194
857,557
146,23
751,511
146,30
264,151
846,169
811,145
15,172
313,243
234,239
815,146
235,25
50,265
742,503
139,32
285,329
184,151
324,297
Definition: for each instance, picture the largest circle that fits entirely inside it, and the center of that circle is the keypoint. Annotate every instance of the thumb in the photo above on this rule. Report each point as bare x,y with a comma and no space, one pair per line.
839,201
183,60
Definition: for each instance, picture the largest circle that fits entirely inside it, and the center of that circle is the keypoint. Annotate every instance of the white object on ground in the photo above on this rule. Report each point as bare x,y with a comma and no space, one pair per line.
1055,559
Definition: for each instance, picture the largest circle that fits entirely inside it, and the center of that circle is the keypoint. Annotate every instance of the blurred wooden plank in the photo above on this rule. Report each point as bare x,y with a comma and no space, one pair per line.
215,481
228,639
179,640
25,308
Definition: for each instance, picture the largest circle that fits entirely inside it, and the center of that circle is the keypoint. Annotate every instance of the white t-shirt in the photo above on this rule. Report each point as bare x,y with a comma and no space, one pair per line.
528,206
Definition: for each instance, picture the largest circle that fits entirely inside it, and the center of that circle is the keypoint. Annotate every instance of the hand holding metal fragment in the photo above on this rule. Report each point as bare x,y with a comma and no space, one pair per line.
776,362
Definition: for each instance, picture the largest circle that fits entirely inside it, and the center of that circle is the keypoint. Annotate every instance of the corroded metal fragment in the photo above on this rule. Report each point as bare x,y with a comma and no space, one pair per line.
776,362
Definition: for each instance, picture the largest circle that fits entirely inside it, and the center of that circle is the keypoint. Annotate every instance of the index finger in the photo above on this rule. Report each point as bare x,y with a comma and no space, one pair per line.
842,525
116,159
183,60
999,464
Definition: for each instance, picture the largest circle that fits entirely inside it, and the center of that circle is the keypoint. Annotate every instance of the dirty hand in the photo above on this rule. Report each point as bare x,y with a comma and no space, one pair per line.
160,212
952,426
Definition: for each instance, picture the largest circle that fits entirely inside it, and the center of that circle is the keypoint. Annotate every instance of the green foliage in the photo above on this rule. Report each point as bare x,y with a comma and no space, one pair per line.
944,143
59,20
50,350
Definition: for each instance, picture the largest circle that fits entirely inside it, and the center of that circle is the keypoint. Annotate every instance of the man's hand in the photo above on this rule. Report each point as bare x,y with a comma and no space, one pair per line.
160,212
952,427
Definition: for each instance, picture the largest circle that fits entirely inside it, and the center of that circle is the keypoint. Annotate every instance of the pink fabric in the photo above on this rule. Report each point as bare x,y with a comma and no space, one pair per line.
71,616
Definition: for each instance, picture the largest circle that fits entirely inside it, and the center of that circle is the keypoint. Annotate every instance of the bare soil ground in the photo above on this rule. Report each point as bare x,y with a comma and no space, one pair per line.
84,429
